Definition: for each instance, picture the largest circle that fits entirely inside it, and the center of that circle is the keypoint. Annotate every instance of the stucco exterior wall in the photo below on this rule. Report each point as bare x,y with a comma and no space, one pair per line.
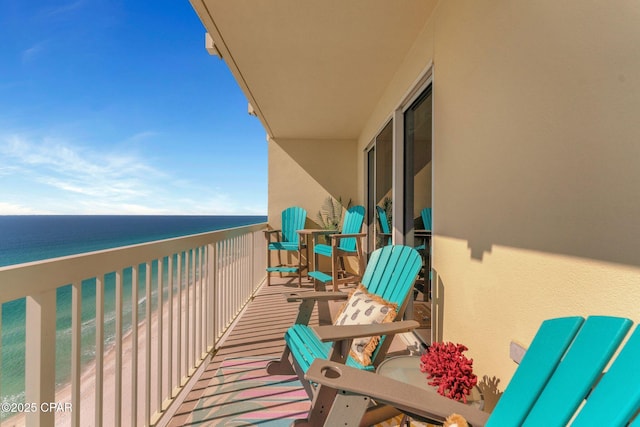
305,173
536,165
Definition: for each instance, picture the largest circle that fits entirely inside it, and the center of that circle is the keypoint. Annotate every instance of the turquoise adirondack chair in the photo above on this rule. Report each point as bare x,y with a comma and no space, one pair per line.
425,249
385,229
561,378
346,243
288,240
390,274
426,218
426,232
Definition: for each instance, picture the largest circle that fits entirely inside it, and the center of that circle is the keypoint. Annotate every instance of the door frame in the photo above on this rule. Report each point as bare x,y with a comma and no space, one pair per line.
402,235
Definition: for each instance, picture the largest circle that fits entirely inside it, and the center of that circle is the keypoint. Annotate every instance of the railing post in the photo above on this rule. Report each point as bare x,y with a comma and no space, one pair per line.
213,260
76,344
179,322
147,345
194,311
252,266
159,315
170,327
134,344
99,404
187,273
0,347
118,371
205,302
39,365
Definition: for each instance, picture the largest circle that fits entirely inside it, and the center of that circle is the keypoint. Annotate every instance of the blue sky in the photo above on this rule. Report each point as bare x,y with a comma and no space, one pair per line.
115,107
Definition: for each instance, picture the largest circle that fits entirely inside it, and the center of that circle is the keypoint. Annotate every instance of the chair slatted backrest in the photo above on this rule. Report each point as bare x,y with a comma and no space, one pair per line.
390,274
616,398
426,218
539,362
293,219
351,224
563,362
578,371
382,220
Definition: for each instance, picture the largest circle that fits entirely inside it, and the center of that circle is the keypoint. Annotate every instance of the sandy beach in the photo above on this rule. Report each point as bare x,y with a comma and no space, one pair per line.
88,378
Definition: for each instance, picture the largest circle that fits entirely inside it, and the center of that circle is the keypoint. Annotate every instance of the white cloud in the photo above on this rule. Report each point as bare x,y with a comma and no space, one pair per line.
115,178
16,209
57,176
7,170
63,9
142,136
33,51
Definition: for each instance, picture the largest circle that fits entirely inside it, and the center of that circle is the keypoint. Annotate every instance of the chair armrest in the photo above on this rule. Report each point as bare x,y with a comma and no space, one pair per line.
314,232
317,233
343,332
405,397
344,236
269,233
308,301
316,296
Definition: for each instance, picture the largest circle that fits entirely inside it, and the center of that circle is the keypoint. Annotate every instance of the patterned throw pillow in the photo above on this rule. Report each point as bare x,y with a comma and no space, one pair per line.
363,308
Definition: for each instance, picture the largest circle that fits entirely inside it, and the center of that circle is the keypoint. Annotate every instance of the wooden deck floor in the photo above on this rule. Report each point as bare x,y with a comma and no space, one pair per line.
258,332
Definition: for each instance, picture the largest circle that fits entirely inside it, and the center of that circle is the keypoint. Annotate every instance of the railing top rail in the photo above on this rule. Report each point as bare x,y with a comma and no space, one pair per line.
20,280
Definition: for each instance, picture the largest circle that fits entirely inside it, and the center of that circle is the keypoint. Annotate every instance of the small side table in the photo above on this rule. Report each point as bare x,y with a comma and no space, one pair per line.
304,234
406,369
316,275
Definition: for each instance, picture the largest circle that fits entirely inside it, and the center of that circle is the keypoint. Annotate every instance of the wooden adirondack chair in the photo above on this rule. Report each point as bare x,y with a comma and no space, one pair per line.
560,377
385,229
344,244
287,239
390,275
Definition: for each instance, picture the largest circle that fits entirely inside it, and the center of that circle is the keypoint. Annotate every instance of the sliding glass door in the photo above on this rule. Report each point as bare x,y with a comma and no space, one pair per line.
418,161
417,201
379,185
401,157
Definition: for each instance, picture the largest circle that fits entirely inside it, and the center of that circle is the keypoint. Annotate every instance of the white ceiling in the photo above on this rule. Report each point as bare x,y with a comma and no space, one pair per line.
313,69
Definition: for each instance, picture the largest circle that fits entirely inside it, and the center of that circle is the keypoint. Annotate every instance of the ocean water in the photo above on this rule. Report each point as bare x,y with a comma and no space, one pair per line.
31,238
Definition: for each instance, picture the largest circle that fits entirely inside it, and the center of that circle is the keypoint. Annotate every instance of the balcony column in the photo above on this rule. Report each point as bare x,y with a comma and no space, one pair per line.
40,373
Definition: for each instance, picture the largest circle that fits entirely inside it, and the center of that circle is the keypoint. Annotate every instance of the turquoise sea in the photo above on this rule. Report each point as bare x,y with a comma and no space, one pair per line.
27,238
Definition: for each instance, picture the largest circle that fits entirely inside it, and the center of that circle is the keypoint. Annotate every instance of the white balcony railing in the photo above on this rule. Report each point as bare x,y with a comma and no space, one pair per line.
188,291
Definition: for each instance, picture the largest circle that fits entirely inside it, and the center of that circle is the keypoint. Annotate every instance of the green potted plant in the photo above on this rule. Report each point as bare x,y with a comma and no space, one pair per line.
331,213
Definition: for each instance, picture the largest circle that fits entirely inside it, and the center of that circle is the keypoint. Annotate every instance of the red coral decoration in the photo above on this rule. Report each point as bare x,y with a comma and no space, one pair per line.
449,369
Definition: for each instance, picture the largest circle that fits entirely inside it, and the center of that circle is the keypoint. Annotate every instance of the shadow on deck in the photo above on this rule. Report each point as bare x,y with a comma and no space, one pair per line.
234,388
230,385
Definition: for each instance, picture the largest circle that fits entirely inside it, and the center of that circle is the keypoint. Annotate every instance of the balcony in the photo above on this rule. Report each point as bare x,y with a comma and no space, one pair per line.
258,335
196,286
224,389
208,305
